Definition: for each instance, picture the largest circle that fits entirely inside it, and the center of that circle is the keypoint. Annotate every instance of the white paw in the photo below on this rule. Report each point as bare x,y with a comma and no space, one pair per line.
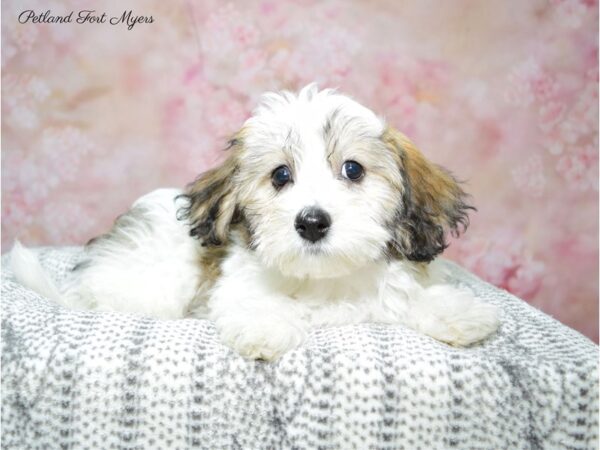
456,317
259,339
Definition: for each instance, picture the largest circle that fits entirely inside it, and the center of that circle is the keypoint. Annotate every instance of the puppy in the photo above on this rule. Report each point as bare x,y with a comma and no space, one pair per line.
321,215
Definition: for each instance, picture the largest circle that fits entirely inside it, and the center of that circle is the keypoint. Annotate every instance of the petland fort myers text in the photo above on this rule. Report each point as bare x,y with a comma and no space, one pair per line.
85,16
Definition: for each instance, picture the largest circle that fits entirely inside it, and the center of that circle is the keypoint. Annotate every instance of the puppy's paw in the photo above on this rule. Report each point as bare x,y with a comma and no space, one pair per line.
260,339
456,317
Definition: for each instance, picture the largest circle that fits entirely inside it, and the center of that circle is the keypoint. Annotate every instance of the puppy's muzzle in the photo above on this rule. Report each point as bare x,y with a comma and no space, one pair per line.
312,224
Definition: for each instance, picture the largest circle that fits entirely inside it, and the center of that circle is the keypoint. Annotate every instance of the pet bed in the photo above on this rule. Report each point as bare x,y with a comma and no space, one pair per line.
89,380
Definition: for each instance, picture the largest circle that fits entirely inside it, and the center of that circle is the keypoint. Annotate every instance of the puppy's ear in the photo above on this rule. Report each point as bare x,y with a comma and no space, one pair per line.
212,200
432,203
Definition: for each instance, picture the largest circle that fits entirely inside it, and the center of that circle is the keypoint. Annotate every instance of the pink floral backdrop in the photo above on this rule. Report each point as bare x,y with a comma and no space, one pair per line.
505,94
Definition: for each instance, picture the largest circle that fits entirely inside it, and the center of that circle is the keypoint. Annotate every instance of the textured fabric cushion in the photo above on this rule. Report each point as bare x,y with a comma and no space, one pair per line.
74,379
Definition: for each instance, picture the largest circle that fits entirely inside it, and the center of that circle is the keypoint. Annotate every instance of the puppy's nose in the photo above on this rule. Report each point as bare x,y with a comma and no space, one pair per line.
312,224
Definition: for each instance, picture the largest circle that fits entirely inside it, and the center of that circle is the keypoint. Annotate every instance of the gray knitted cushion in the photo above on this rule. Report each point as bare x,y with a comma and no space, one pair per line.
73,379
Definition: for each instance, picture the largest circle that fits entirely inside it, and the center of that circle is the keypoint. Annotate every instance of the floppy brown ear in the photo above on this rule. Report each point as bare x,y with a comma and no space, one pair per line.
212,201
432,203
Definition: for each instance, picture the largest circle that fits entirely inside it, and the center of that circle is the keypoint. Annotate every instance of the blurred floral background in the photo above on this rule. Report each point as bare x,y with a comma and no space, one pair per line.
505,94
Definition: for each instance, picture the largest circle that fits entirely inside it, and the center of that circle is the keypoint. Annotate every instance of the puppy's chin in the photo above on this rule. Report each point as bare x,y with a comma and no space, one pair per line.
318,270
317,264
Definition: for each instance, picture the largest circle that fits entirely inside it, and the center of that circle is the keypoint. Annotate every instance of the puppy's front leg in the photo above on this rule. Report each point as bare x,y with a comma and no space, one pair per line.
451,315
428,304
255,321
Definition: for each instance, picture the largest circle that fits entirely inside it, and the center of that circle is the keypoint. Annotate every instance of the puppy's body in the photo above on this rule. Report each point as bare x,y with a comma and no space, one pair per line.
322,215
147,264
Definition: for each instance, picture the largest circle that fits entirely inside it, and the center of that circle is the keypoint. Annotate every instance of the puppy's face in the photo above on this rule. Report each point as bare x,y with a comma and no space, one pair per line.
323,187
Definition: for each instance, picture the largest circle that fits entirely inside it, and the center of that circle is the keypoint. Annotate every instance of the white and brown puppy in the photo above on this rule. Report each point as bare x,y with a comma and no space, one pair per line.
321,215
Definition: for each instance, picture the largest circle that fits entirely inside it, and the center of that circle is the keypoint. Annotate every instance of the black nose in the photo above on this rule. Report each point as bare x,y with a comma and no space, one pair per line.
312,224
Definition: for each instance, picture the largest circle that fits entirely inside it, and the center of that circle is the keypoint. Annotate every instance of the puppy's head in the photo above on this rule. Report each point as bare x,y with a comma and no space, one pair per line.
322,187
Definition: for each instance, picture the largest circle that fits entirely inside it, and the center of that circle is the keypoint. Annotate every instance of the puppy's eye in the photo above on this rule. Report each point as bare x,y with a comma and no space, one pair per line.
281,176
352,170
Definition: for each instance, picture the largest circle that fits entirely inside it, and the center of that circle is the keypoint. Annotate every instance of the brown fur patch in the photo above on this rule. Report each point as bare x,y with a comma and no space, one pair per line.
432,202
210,261
211,257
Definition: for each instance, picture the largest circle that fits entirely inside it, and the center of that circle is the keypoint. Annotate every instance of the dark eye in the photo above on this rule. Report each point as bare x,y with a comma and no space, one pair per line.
281,176
352,170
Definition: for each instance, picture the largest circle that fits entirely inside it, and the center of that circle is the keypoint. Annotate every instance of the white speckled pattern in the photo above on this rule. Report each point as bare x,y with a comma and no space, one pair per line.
87,380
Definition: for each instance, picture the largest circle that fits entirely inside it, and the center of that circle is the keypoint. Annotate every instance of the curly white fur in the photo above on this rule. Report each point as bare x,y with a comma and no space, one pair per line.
273,286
